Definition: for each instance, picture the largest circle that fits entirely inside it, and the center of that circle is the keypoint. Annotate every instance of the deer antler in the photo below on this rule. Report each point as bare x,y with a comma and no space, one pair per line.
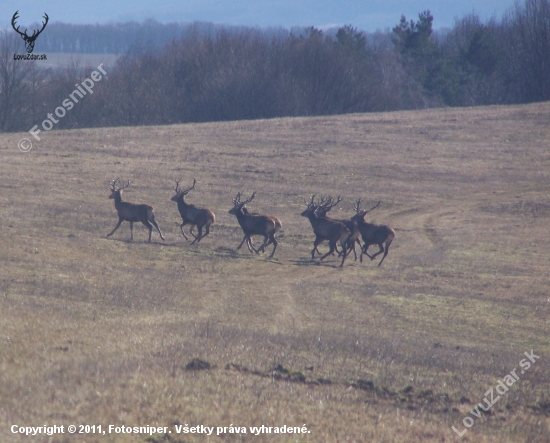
36,32
184,192
328,204
43,26
250,199
357,206
114,188
322,201
113,184
176,189
237,199
374,207
13,19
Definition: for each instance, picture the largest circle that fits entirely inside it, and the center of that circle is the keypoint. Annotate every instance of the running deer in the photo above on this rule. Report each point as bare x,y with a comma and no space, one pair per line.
255,224
132,212
191,214
326,229
324,207
372,234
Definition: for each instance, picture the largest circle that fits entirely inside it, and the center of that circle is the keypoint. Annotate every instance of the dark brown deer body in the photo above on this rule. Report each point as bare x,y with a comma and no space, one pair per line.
326,229
324,207
193,215
255,224
373,234
132,212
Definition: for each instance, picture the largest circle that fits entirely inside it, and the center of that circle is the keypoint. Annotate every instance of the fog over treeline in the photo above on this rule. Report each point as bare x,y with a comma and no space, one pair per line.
178,73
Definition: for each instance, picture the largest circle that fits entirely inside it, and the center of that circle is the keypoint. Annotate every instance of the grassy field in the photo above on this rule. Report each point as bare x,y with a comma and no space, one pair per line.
100,331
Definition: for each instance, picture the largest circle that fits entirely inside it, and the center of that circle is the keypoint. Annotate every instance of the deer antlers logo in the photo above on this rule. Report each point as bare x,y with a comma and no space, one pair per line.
29,39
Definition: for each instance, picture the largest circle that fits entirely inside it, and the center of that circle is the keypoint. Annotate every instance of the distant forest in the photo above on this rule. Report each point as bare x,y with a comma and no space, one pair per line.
203,72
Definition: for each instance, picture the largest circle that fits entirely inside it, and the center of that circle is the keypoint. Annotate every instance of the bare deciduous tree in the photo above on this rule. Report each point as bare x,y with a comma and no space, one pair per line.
14,91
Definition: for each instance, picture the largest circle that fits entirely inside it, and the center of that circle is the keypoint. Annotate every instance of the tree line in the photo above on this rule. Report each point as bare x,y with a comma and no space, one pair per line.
228,73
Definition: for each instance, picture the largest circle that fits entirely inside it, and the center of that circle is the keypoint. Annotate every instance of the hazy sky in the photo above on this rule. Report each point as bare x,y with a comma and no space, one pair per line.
368,15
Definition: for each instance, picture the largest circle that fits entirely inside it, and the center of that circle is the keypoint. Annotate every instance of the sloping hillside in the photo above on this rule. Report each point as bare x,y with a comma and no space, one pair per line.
100,331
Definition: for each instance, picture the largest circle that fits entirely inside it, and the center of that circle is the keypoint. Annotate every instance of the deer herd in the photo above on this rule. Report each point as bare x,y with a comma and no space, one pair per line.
345,232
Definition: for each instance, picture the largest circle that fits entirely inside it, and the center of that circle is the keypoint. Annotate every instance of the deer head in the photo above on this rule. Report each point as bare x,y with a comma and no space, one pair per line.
181,192
29,40
238,205
325,205
311,206
362,212
115,191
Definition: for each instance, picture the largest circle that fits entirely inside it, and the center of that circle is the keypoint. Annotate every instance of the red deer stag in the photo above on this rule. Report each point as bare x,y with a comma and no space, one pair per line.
255,224
324,207
326,229
131,212
373,234
191,214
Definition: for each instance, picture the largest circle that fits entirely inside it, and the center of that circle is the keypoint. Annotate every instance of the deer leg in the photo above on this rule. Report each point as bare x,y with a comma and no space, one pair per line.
245,237
360,247
352,248
251,245
206,231
317,242
148,226
385,253
267,242
365,249
257,251
379,252
349,246
184,236
343,260
270,242
275,243
332,247
152,220
191,232
116,227
198,237
346,249
131,231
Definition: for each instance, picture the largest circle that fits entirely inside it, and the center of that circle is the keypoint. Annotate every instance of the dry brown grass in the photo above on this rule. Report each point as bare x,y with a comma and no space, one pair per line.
99,331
